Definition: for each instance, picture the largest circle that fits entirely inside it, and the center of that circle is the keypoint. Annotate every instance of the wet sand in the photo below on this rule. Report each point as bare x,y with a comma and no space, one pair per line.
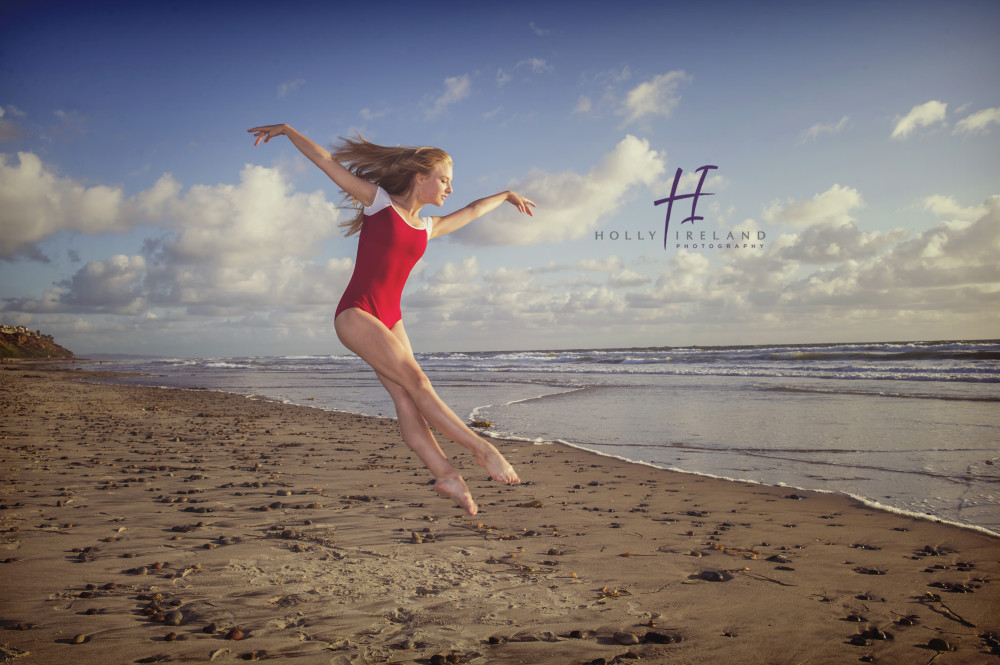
142,525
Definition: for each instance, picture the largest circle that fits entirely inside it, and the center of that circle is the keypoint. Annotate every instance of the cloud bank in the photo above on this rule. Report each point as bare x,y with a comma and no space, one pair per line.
574,204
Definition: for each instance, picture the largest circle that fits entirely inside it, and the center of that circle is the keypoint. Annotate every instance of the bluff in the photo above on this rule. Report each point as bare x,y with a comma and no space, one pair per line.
21,343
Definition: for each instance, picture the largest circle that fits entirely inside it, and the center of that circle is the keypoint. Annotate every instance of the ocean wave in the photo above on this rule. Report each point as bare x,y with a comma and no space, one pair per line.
975,362
875,393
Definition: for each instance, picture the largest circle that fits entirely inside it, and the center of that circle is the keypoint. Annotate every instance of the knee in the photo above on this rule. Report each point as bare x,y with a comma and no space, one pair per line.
415,381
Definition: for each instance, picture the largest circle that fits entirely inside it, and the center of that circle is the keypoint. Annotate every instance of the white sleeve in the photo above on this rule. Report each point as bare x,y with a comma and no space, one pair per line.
381,202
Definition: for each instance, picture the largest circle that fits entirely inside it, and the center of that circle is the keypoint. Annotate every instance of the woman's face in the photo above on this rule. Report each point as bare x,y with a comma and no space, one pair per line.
435,186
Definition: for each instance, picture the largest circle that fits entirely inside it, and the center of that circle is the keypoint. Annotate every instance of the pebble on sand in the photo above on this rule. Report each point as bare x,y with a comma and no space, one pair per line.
939,644
624,638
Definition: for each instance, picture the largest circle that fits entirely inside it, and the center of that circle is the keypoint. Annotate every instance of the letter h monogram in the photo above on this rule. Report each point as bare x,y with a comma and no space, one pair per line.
674,196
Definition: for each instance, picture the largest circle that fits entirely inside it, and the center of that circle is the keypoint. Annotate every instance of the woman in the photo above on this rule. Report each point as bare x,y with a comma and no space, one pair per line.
389,186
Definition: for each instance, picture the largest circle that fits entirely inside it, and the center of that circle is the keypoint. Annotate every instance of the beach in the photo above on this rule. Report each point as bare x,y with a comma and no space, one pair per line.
144,524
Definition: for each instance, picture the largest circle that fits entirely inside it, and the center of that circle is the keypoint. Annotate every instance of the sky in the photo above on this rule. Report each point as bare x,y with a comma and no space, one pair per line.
855,195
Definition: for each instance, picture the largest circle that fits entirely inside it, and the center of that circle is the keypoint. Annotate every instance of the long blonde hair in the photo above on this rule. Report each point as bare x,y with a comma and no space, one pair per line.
392,168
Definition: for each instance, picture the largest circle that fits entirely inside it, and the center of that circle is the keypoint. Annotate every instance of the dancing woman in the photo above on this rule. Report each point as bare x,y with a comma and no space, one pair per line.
389,186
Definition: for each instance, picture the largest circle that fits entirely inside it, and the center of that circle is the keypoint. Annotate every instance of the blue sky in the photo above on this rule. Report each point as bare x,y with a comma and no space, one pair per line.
860,141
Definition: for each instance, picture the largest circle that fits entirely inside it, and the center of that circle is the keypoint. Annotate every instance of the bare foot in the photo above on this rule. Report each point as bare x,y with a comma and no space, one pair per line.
454,488
499,468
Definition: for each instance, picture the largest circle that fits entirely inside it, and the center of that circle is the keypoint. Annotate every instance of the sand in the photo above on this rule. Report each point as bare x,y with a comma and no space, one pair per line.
142,525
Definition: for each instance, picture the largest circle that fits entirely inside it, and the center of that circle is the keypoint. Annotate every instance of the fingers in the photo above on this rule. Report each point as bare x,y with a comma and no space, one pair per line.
523,203
263,133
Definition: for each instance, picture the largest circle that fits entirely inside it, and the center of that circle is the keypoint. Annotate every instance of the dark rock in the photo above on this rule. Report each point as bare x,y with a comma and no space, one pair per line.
938,644
714,576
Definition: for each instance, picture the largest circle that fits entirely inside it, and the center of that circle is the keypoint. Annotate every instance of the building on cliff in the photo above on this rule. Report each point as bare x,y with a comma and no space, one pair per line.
19,342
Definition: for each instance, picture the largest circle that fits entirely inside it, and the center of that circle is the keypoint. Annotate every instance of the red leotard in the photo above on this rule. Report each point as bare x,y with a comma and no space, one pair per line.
388,248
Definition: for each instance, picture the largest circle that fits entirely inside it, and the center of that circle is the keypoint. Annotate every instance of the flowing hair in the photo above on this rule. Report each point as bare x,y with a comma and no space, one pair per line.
392,168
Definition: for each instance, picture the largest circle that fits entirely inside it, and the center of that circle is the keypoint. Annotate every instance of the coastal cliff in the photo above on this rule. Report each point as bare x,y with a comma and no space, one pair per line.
19,342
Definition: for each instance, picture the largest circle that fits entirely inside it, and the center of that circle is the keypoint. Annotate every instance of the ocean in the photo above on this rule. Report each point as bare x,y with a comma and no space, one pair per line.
910,426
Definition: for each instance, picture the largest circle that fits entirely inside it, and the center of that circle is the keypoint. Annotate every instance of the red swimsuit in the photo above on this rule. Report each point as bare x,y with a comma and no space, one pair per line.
388,248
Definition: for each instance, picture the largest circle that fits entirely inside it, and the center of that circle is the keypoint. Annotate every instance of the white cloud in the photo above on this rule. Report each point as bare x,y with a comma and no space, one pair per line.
226,249
536,65
113,285
456,88
948,270
609,264
833,206
819,129
947,206
605,93
599,302
870,284
452,289
656,97
541,32
456,273
979,121
8,128
287,88
922,115
258,221
627,277
570,205
368,114
241,259
833,241
36,203
507,276
828,231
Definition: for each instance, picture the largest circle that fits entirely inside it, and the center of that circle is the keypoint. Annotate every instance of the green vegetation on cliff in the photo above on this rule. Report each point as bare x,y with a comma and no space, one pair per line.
18,342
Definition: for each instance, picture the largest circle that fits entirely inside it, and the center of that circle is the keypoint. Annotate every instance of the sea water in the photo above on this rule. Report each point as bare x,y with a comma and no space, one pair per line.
913,427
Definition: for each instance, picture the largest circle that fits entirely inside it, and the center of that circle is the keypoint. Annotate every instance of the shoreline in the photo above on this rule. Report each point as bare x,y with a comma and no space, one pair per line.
139,517
865,501
506,437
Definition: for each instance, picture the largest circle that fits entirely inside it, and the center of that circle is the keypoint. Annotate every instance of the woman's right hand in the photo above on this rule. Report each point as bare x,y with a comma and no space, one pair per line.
267,132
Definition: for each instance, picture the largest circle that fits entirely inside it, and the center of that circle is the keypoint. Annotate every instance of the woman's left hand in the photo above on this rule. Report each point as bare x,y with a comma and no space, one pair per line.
521,203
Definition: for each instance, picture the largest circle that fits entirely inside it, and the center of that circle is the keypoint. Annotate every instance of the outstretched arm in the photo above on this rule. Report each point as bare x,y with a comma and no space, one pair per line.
362,190
460,218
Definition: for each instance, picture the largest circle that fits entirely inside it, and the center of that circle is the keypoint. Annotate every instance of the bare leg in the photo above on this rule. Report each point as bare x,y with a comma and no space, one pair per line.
417,435
390,355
